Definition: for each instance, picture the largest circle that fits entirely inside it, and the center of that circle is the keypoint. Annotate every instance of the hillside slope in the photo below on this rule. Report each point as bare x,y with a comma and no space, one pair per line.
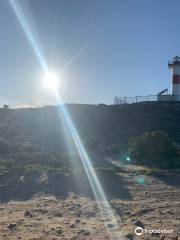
39,167
105,125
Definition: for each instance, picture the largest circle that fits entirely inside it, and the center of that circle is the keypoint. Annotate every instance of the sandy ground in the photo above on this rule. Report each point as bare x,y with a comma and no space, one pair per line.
154,204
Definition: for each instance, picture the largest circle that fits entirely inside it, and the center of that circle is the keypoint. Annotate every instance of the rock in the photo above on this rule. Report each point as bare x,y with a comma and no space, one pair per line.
146,210
84,232
89,214
12,225
71,208
41,210
59,231
77,220
28,214
28,225
110,225
107,237
78,213
74,238
127,212
139,223
129,237
72,225
163,237
155,234
58,214
170,212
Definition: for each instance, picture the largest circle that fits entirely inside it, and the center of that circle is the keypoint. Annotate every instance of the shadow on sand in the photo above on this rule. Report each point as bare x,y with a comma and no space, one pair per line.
60,185
171,178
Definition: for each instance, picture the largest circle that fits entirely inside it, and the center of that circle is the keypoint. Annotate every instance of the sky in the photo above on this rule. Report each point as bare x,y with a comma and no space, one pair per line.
106,48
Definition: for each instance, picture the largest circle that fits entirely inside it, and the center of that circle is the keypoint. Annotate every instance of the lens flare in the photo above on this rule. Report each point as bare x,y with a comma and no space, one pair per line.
51,81
95,184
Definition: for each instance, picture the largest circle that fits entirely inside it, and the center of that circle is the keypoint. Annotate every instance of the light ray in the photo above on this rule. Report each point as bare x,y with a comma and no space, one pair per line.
27,29
97,189
73,58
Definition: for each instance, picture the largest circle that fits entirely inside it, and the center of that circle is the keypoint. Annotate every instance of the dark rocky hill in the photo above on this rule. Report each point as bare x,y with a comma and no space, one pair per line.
97,124
37,151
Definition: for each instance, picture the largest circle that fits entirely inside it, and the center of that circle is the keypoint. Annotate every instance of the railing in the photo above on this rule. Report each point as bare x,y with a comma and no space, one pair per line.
148,98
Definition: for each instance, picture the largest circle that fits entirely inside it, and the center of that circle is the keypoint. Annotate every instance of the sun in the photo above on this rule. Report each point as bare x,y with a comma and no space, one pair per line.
51,81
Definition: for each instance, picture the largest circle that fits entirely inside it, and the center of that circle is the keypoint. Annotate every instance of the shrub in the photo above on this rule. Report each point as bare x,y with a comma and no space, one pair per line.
154,149
149,171
33,170
7,163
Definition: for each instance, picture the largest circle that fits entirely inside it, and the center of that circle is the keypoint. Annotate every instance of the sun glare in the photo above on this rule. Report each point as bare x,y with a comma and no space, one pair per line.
51,81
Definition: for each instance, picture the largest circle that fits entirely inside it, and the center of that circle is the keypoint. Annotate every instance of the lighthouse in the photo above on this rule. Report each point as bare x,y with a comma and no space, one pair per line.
175,66
164,95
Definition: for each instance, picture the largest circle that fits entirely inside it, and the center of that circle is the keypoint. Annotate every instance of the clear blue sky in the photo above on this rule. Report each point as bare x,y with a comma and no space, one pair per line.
128,44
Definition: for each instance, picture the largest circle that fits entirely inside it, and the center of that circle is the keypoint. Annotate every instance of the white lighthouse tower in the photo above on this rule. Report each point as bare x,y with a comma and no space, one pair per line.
175,66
